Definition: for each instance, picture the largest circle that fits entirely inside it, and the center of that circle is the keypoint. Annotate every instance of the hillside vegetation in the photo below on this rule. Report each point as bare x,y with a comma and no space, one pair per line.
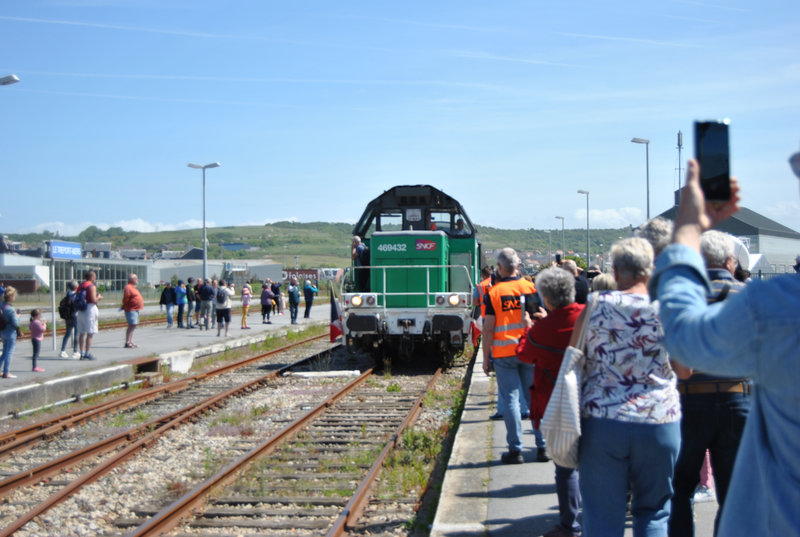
317,244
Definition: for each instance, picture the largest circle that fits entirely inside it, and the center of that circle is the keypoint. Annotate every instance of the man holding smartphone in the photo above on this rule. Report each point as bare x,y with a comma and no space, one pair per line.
754,334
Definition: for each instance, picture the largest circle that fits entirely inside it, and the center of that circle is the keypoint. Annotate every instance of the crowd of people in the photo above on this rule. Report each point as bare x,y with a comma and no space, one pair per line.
685,365
201,304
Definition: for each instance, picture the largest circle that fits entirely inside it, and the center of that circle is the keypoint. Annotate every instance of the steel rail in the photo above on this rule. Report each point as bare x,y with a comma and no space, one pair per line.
358,502
171,516
191,412
42,430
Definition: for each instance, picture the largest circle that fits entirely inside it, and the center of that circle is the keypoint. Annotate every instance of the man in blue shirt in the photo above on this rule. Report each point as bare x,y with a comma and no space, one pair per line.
754,334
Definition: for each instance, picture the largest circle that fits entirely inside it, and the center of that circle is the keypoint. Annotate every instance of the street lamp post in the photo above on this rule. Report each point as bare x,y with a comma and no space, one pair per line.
587,223
647,168
563,251
205,241
549,247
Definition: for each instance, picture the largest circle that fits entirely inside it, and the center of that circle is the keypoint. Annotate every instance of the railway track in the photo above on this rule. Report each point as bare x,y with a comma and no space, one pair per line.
314,477
40,472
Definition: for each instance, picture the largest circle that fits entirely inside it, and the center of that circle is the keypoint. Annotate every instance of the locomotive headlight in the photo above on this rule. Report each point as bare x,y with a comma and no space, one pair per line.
371,300
356,300
440,300
453,300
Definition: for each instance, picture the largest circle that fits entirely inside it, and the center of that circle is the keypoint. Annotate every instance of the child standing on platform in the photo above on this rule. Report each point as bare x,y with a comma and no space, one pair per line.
37,328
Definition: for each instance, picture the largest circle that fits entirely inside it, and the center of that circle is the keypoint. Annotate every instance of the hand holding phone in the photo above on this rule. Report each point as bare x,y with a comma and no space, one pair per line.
711,149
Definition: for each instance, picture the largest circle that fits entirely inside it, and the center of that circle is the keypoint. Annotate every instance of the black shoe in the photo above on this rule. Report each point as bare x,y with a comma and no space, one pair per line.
496,416
525,416
512,457
541,455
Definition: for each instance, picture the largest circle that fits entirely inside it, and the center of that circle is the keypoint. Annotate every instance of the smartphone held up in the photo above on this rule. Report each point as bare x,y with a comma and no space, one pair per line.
711,149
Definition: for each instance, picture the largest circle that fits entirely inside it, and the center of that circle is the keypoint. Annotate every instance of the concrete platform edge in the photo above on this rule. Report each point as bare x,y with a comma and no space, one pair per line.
51,391
464,500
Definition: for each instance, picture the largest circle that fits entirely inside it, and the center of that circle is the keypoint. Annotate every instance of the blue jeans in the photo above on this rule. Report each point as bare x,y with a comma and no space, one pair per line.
512,374
169,307
615,453
293,308
71,331
710,421
569,498
9,342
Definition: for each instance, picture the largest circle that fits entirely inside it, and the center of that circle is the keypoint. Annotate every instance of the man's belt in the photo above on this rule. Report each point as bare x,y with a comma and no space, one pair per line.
714,386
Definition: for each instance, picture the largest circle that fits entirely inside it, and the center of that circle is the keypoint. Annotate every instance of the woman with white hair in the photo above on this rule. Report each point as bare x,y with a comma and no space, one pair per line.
630,408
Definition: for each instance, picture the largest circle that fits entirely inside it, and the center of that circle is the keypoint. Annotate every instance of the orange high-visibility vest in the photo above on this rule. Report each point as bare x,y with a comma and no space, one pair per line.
483,289
509,326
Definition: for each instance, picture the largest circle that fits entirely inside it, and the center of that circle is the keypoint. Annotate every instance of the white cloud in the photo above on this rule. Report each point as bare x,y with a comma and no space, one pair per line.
610,218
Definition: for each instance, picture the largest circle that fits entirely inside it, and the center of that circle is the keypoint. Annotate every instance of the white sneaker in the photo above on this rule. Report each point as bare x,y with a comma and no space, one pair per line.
703,494
76,355
64,354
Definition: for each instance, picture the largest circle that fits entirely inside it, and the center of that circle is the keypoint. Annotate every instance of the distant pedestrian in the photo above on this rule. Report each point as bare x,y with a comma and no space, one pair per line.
181,301
88,318
168,301
309,291
223,302
267,302
132,304
190,300
247,296
37,326
198,302
206,294
66,310
294,298
10,330
276,290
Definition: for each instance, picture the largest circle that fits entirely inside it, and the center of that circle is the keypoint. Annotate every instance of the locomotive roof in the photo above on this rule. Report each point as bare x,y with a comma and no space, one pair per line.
408,197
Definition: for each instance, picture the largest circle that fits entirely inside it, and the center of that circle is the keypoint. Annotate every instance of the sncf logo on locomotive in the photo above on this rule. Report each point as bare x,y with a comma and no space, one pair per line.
423,244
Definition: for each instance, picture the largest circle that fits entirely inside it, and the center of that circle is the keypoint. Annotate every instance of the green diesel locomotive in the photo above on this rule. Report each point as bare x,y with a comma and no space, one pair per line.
409,291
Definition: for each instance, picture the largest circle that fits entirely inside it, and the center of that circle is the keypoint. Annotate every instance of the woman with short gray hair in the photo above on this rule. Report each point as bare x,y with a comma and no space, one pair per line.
630,407
549,337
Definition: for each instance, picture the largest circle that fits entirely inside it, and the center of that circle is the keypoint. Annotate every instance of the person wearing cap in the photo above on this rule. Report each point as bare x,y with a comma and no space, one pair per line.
754,334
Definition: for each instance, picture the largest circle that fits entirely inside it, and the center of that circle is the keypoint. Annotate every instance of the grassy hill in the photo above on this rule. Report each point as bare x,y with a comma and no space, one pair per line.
317,244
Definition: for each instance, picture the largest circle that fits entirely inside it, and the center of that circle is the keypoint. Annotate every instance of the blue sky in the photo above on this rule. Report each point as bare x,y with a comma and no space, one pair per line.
314,108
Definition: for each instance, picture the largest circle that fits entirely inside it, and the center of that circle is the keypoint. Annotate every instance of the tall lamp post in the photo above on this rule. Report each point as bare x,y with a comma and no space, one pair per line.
563,250
549,247
205,245
587,223
647,169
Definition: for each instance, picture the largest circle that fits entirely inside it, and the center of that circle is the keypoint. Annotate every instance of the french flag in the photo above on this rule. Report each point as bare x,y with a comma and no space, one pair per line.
336,318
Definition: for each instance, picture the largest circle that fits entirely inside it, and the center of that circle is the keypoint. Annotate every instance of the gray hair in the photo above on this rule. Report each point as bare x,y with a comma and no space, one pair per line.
604,282
632,257
557,286
570,266
716,248
72,284
657,231
508,259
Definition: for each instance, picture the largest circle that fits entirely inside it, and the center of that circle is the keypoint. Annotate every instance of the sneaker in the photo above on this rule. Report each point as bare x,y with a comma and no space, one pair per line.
9,376
38,370
496,416
76,355
541,455
703,494
64,354
88,356
512,457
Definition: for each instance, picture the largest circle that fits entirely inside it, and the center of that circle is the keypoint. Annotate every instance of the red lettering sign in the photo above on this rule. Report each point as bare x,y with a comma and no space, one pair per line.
426,245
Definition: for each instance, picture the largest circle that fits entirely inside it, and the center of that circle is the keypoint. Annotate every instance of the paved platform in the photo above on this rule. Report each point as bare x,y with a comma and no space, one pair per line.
64,378
483,497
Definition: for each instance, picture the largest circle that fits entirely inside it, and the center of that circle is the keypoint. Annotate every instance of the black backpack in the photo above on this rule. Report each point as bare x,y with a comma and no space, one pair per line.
65,308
